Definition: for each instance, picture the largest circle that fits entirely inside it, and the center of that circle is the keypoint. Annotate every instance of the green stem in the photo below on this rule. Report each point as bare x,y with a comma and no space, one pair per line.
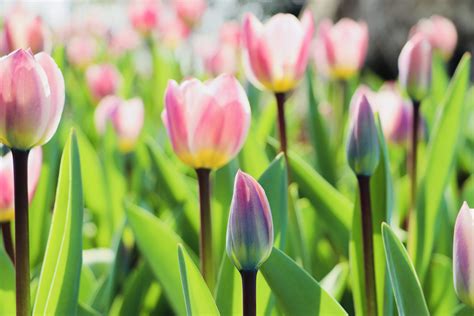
280,98
205,241
413,156
368,244
20,175
7,240
249,292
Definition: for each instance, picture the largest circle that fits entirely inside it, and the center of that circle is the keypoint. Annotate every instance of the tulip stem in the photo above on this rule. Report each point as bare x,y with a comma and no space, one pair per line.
205,241
249,292
414,146
7,240
280,98
20,176
368,245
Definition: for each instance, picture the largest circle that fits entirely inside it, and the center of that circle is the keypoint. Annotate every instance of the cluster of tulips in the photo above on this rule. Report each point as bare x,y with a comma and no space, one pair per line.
111,94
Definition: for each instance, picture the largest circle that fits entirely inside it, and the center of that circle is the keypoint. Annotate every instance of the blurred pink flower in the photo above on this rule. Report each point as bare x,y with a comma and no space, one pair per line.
206,122
414,67
340,49
81,50
31,99
126,117
441,33
22,29
231,33
123,41
190,11
144,15
172,31
6,181
103,80
276,53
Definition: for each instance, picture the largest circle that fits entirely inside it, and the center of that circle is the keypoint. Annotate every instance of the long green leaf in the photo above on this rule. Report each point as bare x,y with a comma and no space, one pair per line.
406,286
439,285
7,285
296,291
440,160
58,287
198,298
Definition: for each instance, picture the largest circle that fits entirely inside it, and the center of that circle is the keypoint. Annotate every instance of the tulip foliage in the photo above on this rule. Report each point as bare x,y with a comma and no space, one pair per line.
159,185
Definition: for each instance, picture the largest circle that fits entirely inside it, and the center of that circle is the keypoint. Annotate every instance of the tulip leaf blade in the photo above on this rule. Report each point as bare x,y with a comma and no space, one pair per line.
440,158
295,290
7,290
159,243
58,287
197,296
406,286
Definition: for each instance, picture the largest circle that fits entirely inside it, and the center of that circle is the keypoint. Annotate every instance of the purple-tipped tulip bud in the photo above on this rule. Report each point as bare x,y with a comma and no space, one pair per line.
414,67
250,228
463,255
363,146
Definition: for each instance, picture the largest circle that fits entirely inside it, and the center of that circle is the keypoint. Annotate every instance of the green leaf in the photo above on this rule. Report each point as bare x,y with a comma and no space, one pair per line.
296,291
198,298
158,244
325,162
440,158
252,157
58,287
333,208
406,286
7,285
135,290
439,285
335,282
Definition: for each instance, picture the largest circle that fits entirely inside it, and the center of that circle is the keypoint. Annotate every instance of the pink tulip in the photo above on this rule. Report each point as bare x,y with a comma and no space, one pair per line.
414,67
81,50
221,59
463,255
206,122
22,29
103,80
31,99
394,111
172,31
276,53
123,41
125,116
441,33
144,15
340,49
6,181
230,33
190,11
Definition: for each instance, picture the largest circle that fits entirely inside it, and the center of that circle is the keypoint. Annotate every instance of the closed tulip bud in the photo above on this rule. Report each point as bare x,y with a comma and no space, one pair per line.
363,146
31,99
144,15
276,53
441,33
190,11
25,30
206,122
340,49
250,227
6,181
463,255
125,116
414,67
103,80
81,50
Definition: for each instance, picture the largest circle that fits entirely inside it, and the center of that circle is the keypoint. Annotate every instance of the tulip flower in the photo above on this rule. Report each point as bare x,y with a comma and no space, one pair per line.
103,80
463,255
250,228
340,49
81,50
414,66
190,11
363,146
144,15
249,235
125,116
441,33
172,31
206,122
124,40
31,99
22,29
6,181
276,53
